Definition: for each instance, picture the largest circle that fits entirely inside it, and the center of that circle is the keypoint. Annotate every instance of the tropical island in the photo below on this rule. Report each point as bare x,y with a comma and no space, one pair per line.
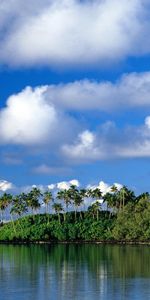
125,218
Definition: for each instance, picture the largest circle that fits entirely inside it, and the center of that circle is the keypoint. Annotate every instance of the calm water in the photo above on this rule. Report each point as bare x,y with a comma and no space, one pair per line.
87,272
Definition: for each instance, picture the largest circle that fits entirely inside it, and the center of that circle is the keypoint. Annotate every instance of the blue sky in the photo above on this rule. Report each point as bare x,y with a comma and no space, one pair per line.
75,92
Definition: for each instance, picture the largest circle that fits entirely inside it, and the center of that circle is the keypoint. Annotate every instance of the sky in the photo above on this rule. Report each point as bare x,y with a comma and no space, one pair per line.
74,93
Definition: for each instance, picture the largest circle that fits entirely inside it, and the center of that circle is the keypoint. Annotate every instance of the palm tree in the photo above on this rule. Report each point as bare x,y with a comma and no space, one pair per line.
111,200
95,193
125,196
145,196
116,199
114,189
58,209
19,207
47,198
32,199
65,196
75,197
83,194
5,201
94,209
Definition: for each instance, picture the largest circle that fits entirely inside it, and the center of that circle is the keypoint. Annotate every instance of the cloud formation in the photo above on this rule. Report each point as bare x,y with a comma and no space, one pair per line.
65,185
110,142
129,91
28,119
34,116
72,32
51,116
105,187
5,186
84,148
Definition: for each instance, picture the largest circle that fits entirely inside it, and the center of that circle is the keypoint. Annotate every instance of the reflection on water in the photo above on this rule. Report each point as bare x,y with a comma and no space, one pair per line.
74,272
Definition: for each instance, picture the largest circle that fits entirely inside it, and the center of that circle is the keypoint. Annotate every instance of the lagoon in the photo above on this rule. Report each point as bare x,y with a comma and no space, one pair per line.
70,272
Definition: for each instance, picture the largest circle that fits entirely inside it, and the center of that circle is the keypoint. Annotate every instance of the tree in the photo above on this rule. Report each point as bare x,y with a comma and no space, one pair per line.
58,209
65,196
76,198
5,201
94,209
145,196
19,207
32,199
112,202
83,194
125,196
47,198
95,193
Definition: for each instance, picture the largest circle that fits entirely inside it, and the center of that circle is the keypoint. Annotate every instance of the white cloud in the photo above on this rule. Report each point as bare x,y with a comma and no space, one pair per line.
105,187
41,116
5,185
65,185
51,186
36,116
130,91
118,185
109,142
29,120
72,32
85,148
74,182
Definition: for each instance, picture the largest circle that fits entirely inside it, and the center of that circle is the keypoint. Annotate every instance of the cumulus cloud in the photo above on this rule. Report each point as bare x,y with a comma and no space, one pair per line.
33,116
51,186
130,91
85,148
105,187
5,185
29,120
45,116
72,32
110,142
65,185
62,185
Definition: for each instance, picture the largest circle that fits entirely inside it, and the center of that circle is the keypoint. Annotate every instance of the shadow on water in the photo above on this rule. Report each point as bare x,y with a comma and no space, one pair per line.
74,272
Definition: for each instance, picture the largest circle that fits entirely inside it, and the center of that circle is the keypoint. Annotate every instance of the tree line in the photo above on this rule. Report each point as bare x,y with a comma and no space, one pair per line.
65,215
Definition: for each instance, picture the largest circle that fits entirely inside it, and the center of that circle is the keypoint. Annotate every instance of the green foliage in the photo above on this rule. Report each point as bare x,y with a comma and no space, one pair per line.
36,228
134,222
127,217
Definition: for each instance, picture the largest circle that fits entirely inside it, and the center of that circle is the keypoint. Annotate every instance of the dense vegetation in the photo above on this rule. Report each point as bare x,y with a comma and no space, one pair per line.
126,217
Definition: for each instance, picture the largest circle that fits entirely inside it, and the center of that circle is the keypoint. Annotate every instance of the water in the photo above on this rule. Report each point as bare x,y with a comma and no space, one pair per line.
87,272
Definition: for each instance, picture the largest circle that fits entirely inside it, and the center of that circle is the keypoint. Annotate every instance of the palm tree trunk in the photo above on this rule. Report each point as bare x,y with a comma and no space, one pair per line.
64,215
2,216
75,212
97,215
59,217
81,215
13,225
123,201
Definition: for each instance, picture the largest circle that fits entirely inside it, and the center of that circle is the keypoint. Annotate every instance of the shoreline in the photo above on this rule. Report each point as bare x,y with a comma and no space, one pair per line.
109,242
